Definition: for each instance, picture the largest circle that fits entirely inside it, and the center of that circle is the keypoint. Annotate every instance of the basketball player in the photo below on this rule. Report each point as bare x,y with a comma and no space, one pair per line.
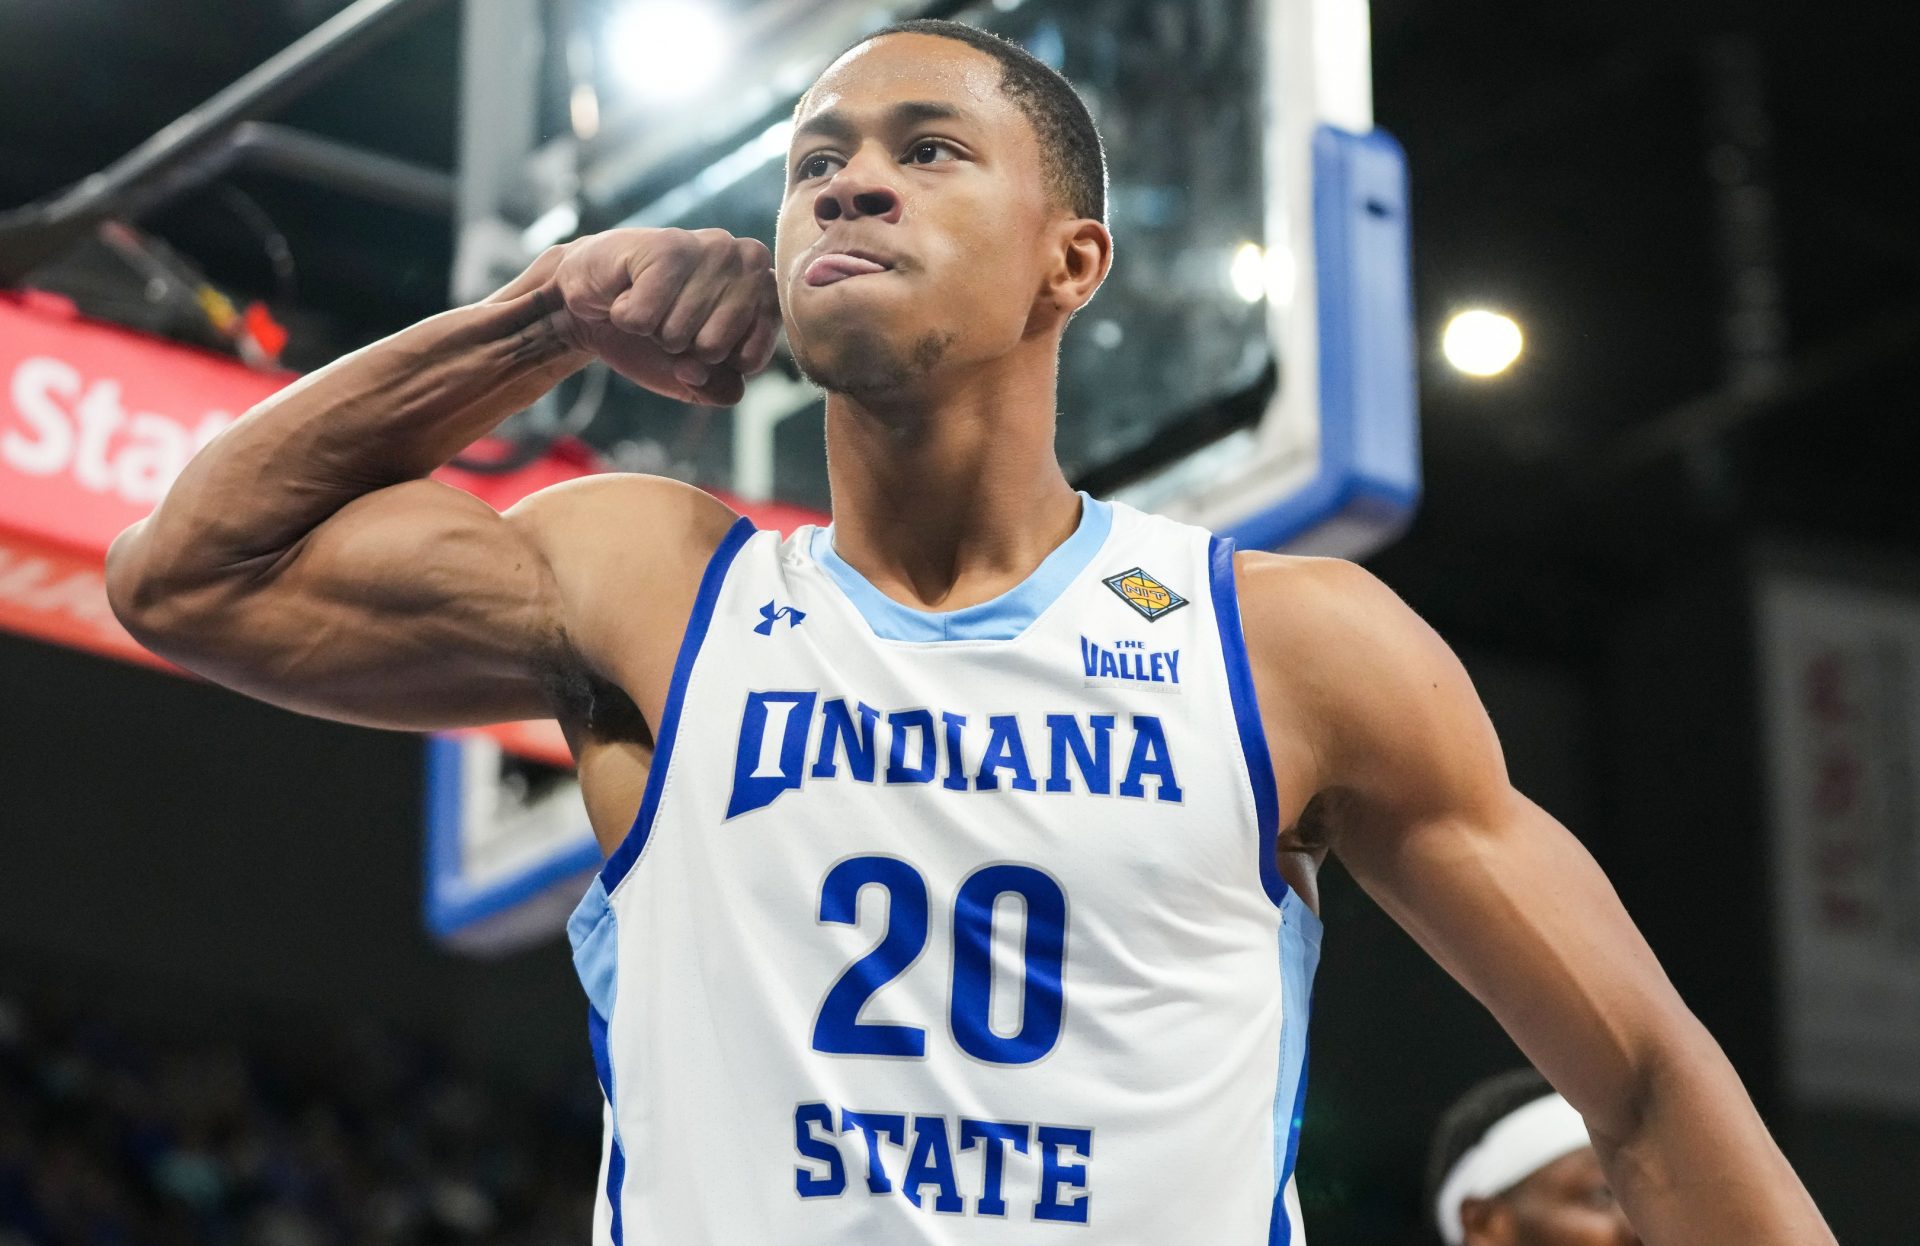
1513,1165
961,856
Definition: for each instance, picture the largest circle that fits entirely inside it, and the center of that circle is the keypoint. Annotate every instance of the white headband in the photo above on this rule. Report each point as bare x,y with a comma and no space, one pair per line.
1519,1144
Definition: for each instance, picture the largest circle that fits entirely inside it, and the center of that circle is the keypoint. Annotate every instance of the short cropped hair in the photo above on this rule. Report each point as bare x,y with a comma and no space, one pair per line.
1472,1115
1076,162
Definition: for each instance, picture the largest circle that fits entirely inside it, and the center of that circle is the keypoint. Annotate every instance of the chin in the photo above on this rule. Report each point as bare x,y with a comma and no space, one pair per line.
875,358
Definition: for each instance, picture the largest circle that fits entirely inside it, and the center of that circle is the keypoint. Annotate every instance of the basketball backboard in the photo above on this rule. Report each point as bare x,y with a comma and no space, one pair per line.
1248,365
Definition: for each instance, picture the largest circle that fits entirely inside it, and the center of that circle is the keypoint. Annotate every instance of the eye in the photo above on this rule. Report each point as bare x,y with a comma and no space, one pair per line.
919,152
813,166
1599,1197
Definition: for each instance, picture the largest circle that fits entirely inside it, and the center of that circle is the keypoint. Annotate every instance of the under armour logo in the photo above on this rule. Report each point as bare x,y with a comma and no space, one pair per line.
769,616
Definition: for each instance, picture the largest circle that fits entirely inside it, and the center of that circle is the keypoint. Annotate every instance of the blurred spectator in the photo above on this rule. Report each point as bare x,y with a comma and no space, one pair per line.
1511,1165
111,1139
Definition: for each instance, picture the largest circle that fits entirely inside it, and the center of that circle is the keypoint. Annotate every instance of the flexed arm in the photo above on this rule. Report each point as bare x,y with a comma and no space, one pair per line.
304,558
1419,807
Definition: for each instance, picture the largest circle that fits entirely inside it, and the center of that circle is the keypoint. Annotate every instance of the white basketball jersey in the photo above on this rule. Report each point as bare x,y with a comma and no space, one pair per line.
954,927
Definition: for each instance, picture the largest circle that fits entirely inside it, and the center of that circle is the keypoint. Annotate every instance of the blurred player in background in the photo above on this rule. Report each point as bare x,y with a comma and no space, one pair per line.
1512,1165
978,703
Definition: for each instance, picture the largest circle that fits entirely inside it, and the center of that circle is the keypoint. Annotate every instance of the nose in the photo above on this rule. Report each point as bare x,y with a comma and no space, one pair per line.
858,191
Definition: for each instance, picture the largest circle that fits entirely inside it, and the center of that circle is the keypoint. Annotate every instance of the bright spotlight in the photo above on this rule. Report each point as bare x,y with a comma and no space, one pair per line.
1248,272
1481,343
663,50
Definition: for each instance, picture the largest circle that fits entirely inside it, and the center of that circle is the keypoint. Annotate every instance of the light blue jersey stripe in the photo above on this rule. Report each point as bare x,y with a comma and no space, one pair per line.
1003,618
593,932
1300,932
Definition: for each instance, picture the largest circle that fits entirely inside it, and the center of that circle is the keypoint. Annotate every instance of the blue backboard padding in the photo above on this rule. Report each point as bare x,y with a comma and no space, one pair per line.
454,905
1369,468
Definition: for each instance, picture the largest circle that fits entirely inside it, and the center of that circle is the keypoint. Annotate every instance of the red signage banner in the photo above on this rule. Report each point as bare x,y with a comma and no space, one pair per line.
96,421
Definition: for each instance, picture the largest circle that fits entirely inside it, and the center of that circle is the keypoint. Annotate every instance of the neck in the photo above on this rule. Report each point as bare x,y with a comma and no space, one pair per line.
950,496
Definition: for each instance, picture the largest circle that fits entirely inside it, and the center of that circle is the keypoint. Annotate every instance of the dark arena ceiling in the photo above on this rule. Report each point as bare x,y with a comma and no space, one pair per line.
1719,346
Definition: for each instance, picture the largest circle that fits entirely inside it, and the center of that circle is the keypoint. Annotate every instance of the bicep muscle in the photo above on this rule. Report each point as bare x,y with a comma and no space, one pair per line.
1424,816
416,606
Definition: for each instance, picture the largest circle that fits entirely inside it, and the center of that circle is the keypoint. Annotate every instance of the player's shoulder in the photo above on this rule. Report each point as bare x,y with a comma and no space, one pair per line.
624,515
1302,613
627,553
593,501
1304,589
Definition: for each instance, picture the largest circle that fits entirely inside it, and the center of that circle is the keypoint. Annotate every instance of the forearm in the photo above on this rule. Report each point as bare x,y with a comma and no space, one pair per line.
392,411
1695,1165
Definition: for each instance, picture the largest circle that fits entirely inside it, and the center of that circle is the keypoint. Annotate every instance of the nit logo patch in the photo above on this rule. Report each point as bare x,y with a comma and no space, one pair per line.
1144,593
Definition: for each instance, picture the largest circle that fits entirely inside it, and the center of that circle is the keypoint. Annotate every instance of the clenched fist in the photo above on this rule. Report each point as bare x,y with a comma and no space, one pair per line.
687,314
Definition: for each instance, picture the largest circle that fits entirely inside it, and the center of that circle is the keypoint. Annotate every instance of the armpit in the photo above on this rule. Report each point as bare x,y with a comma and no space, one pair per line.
1317,826
592,706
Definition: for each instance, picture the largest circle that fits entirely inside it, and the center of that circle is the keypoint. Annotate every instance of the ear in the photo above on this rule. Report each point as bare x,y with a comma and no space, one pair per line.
1082,252
1486,1222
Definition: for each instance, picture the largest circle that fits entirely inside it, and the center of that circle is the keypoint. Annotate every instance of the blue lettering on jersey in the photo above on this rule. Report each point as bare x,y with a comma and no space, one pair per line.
806,1118
837,733
932,1165
956,780
902,726
1056,1174
775,727
1060,1185
1130,661
1095,762
874,1125
1005,751
1150,757
995,1135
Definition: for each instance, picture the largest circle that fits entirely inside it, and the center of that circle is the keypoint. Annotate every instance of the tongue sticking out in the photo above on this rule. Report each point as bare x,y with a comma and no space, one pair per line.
831,268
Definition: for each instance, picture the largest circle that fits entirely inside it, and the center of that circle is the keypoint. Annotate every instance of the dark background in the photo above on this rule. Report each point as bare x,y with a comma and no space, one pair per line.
178,855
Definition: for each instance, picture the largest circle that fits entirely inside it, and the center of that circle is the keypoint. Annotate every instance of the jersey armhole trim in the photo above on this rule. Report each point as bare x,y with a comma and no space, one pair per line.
704,600
1246,715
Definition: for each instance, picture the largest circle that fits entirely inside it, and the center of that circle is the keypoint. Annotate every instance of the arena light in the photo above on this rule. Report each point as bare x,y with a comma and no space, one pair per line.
1248,271
1481,342
583,110
662,50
